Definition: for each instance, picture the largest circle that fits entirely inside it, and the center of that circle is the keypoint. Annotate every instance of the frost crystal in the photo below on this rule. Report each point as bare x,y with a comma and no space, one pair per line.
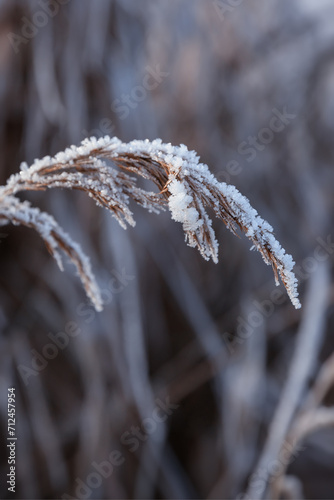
180,206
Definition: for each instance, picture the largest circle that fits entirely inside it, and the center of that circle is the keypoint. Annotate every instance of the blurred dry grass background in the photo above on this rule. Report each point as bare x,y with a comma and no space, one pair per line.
171,326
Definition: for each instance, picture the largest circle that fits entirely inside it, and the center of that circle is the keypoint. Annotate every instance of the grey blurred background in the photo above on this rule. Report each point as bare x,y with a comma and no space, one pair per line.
212,75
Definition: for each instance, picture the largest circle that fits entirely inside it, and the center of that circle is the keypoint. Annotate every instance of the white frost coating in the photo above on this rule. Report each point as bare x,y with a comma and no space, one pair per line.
191,188
179,204
21,213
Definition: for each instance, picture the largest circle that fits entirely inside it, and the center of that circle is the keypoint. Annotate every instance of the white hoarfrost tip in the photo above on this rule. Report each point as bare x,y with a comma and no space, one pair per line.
24,166
180,205
187,186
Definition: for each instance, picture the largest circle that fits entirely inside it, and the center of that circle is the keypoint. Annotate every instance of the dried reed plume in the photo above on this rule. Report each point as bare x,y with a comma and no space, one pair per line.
184,184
